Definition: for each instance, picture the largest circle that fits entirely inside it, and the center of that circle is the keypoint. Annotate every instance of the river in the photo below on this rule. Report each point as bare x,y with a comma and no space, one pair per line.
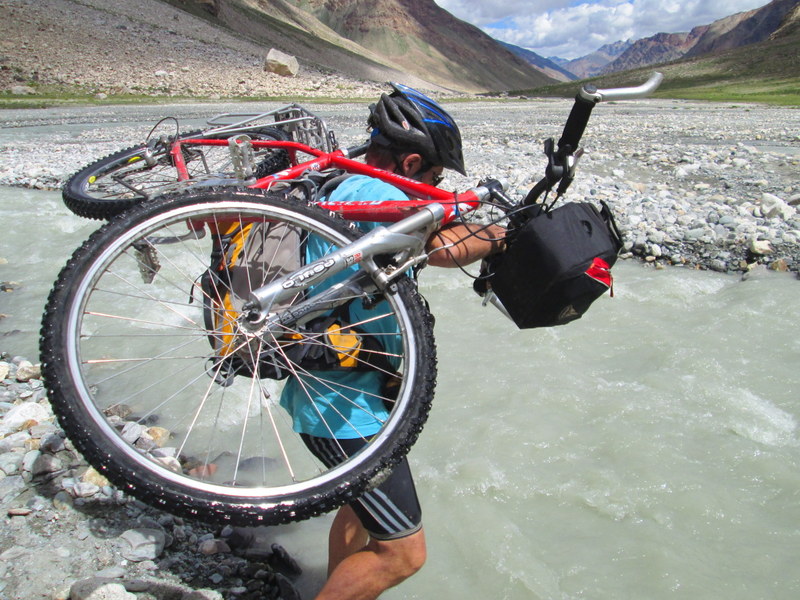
649,450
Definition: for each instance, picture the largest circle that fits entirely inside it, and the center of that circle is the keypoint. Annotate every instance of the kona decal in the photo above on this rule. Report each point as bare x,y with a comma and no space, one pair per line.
311,273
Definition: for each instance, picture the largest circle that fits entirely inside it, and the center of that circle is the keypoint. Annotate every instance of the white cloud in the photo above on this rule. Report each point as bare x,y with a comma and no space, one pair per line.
563,28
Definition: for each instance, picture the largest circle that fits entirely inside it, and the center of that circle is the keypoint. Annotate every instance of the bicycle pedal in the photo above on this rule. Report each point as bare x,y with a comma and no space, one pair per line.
243,158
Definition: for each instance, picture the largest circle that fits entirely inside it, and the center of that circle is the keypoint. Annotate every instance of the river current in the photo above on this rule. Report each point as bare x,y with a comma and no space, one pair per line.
648,450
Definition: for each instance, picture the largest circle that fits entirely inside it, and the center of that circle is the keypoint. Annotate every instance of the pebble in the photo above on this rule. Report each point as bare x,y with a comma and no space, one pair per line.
99,589
142,544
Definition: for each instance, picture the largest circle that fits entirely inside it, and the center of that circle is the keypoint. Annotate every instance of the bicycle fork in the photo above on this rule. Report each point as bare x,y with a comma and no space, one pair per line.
405,240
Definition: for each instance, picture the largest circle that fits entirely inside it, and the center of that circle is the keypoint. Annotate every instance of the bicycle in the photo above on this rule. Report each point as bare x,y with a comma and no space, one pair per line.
137,387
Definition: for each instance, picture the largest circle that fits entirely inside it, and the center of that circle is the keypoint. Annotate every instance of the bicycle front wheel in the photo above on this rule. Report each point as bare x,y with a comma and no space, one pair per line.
133,379
115,183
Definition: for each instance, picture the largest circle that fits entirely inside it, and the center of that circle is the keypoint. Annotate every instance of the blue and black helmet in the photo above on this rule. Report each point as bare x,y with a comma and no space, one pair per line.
407,119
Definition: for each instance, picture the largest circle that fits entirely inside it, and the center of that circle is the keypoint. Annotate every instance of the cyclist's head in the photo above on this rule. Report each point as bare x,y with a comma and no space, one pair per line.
408,121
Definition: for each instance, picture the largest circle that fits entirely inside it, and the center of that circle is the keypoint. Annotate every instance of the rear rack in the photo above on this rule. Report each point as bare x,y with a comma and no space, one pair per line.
303,126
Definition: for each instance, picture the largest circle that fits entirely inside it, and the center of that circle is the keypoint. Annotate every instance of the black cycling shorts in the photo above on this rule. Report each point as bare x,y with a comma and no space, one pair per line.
389,511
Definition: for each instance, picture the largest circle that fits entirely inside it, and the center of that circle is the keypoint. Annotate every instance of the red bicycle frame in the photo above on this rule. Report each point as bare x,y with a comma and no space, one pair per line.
385,211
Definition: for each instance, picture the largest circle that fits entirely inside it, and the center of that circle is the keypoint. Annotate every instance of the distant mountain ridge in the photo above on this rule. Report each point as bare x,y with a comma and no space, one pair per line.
658,48
767,71
547,66
728,33
592,64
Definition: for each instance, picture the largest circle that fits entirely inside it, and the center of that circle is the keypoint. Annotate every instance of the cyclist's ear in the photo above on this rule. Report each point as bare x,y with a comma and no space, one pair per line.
411,164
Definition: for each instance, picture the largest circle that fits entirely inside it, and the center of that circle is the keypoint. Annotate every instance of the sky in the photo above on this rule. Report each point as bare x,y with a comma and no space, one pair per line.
574,28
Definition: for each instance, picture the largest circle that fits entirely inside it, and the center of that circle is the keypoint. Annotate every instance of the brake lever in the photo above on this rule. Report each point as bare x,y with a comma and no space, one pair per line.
571,166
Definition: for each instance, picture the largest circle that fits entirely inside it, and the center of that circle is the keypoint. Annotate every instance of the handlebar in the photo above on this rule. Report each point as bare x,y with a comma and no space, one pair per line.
561,159
588,97
592,94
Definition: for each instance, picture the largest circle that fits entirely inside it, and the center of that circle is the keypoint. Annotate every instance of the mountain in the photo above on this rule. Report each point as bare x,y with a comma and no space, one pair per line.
364,38
728,33
545,65
789,27
766,71
743,28
656,49
279,24
592,64
422,38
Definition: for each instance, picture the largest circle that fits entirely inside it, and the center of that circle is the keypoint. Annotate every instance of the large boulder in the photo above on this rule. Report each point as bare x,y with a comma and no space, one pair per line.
280,63
211,6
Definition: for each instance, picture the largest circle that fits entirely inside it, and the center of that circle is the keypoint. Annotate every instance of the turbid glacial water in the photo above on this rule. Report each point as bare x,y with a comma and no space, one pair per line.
649,450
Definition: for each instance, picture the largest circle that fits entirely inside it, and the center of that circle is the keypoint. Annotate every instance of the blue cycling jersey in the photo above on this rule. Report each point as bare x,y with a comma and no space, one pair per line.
345,404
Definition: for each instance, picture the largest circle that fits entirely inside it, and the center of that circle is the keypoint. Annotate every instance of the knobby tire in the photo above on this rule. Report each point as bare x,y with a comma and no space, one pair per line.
111,185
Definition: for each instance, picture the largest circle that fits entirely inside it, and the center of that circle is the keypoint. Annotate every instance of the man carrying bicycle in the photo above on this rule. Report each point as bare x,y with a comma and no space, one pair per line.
378,541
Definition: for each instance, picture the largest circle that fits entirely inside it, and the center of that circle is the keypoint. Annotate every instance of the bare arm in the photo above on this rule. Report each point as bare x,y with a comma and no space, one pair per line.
460,244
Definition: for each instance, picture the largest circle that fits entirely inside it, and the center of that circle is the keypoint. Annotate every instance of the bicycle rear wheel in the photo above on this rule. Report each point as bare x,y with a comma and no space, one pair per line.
113,184
130,371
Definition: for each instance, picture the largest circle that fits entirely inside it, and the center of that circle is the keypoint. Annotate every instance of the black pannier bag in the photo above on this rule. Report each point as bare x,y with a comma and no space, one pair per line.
556,264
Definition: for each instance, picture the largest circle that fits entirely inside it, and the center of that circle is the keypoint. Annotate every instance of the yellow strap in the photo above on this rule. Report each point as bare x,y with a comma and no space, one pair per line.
225,315
347,344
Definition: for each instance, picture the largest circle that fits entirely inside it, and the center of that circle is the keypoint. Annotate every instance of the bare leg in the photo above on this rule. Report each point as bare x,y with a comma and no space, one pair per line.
362,570
347,536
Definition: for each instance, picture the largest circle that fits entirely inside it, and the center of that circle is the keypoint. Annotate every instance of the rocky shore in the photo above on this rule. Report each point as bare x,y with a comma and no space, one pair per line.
699,185
66,533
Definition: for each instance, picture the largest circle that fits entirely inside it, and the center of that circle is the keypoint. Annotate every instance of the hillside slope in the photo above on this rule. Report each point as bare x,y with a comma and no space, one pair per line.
281,25
750,27
413,37
63,49
60,50
421,38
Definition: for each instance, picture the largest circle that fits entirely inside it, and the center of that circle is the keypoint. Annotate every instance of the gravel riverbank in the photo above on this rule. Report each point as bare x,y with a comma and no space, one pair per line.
703,185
